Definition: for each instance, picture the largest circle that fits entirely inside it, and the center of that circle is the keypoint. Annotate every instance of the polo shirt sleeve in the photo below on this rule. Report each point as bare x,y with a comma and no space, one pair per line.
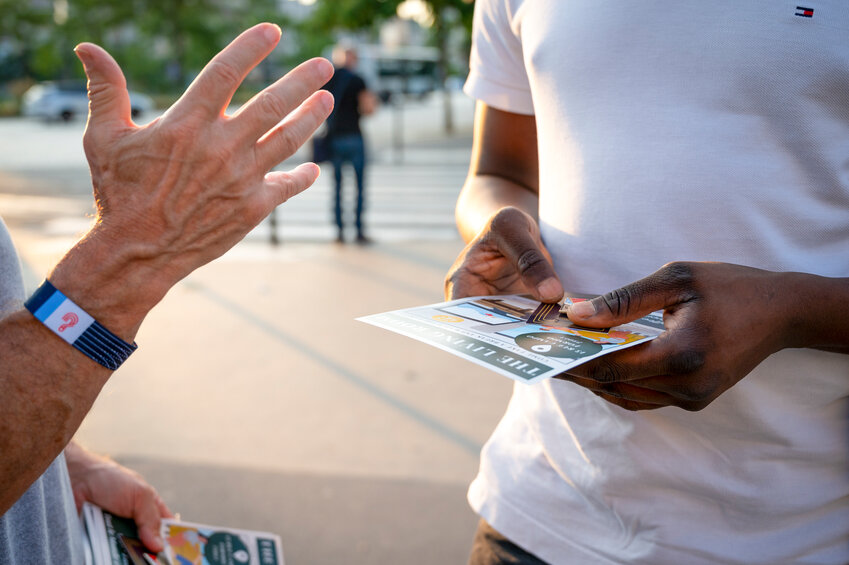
497,74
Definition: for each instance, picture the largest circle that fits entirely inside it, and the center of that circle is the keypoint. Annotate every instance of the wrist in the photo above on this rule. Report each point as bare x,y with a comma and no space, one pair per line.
818,310
115,283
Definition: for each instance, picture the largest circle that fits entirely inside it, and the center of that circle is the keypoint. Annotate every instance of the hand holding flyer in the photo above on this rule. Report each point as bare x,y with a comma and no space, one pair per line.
111,540
514,335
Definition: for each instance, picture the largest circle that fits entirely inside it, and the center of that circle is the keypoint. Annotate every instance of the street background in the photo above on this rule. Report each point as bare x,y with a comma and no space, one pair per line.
255,399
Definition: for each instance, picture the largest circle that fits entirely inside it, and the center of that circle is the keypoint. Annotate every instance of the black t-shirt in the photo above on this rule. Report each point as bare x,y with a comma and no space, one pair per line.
346,87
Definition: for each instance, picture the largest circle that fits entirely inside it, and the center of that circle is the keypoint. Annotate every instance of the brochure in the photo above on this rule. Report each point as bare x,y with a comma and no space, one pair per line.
110,540
515,335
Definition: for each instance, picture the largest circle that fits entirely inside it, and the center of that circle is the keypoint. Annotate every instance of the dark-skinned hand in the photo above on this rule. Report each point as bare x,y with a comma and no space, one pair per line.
721,321
507,257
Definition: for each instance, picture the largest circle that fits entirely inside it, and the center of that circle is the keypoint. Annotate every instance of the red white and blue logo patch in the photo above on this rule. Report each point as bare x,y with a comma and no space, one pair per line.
803,12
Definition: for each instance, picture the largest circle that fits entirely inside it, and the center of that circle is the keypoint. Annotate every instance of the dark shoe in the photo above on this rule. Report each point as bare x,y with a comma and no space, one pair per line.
340,238
363,240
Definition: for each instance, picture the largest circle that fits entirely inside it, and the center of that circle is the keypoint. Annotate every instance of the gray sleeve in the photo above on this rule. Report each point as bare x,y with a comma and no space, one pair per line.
42,526
11,280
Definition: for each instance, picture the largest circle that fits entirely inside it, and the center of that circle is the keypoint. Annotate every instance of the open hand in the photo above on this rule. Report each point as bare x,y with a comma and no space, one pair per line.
180,191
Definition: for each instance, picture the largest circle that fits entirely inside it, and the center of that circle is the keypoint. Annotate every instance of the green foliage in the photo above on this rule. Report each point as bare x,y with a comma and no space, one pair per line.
162,44
332,15
351,14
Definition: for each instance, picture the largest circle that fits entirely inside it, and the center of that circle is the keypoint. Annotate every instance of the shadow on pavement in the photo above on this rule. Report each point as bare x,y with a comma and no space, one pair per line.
324,520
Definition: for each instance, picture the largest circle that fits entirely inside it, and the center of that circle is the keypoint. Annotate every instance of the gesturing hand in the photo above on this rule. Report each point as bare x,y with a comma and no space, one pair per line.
721,321
180,191
507,257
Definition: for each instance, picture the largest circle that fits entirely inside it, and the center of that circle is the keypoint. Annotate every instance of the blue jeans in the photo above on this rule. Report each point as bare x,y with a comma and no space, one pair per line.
350,149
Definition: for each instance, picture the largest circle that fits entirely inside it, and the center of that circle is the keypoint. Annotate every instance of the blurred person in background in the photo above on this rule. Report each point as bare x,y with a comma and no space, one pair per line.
171,196
347,145
612,139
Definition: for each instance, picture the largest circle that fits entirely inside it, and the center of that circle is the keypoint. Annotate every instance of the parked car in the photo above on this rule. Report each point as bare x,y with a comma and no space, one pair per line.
63,100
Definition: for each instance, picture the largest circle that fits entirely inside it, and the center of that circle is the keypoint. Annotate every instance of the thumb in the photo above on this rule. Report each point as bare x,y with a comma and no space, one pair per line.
517,238
657,291
108,99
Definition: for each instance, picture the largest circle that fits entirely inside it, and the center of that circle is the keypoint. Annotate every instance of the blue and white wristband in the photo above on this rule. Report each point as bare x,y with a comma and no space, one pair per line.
77,327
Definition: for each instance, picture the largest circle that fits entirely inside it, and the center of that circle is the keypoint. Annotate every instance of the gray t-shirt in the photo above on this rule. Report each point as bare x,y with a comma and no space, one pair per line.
42,528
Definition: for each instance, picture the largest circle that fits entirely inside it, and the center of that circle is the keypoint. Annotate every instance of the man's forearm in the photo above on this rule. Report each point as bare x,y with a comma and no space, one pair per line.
483,195
48,386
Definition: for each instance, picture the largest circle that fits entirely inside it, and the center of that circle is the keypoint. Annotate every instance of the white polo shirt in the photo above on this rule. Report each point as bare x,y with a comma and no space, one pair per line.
703,131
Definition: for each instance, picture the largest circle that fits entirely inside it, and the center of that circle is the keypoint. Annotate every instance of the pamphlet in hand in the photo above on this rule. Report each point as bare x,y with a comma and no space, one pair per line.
514,335
110,540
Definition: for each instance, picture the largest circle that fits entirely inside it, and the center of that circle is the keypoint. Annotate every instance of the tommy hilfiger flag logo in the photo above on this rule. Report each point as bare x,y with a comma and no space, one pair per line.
804,12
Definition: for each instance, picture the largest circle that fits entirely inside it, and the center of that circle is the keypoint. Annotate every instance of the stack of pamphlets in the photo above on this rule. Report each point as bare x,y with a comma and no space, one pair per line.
110,540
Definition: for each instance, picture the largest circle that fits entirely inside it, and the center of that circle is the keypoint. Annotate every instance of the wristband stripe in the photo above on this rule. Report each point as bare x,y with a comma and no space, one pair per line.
76,327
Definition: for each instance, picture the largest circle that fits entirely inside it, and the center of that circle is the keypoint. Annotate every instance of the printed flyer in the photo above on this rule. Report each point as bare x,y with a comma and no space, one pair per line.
199,544
514,335
111,540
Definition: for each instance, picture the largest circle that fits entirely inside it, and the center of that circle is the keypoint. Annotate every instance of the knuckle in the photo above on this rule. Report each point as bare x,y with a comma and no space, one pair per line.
271,104
530,261
287,142
618,302
173,134
678,274
225,72
686,362
102,92
687,367
605,374
504,218
285,188
508,223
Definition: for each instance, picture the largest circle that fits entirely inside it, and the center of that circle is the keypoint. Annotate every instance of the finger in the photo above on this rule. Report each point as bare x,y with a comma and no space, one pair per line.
147,514
459,282
108,99
214,87
513,232
630,405
269,107
667,287
667,356
623,392
281,186
285,139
